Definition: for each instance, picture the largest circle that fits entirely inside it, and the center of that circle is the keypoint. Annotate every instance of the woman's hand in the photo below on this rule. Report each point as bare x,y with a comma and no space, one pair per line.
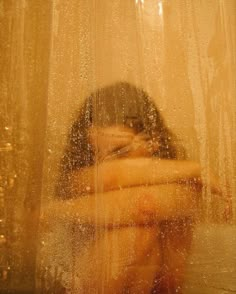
116,142
108,140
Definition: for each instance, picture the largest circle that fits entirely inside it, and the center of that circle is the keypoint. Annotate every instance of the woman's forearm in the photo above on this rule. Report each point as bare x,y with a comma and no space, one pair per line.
132,206
133,172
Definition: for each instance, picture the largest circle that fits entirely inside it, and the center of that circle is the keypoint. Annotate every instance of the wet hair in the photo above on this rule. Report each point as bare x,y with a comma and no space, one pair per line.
119,104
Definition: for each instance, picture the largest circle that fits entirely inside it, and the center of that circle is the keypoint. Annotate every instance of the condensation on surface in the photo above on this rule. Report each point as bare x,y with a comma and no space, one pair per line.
56,53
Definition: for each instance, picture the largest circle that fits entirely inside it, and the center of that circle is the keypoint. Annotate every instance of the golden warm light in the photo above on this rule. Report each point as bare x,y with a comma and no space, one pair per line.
117,147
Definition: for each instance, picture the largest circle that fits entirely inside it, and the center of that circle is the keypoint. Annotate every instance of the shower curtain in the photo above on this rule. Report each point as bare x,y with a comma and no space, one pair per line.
53,54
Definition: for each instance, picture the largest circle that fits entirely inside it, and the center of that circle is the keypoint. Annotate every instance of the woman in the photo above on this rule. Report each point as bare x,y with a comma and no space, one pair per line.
129,196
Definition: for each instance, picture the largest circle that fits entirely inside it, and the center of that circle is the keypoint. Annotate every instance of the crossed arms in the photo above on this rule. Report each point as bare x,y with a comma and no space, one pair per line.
128,199
141,190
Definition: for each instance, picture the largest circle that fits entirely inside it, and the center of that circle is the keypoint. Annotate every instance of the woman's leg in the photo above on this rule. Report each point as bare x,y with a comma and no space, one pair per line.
146,271
175,239
121,261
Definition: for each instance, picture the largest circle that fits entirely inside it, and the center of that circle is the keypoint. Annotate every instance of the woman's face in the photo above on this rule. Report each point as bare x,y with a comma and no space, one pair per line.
119,141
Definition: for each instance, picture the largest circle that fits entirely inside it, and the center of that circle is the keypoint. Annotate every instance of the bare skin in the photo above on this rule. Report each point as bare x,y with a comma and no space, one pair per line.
139,205
144,213
132,221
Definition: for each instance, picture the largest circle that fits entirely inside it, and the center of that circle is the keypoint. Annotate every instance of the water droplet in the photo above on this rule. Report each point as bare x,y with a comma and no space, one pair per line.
11,182
2,240
1,223
4,275
6,147
88,188
8,130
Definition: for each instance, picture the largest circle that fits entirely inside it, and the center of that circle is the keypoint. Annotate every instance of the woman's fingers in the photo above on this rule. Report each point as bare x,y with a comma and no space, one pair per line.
114,142
142,147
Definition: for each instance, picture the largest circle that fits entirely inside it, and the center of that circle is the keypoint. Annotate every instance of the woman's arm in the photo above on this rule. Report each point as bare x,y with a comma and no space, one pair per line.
122,253
112,175
131,206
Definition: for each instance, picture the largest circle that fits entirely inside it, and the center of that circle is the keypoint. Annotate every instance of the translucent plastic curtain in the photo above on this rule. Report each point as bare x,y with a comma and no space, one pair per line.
182,53
25,46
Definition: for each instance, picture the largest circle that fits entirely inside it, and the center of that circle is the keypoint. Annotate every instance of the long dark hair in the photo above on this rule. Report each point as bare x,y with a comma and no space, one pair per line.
118,104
